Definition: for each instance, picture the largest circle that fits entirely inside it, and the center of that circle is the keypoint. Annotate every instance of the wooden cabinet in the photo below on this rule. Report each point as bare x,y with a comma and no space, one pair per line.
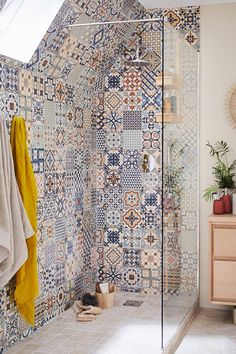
222,259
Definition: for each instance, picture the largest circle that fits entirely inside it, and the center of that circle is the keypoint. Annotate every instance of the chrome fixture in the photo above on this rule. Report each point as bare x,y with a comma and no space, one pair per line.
137,62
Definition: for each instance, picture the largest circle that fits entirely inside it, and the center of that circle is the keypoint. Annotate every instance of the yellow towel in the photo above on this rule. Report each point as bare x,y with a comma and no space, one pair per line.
27,277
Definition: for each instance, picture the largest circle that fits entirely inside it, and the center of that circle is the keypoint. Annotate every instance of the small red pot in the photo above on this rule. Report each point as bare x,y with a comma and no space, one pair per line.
227,203
218,207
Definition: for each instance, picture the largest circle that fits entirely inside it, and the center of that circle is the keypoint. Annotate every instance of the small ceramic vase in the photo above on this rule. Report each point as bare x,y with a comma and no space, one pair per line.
227,202
218,207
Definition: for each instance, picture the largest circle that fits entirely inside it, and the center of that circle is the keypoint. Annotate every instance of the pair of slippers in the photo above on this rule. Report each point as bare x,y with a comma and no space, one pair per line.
85,313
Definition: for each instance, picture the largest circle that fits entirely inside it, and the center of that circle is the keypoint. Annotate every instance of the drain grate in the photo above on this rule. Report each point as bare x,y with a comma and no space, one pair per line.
133,303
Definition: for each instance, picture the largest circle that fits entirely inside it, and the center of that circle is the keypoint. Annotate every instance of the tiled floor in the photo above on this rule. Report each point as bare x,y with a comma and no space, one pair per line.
212,332
120,330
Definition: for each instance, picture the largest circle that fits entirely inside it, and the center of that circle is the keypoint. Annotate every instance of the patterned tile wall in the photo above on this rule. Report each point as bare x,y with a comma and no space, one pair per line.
57,94
128,200
89,120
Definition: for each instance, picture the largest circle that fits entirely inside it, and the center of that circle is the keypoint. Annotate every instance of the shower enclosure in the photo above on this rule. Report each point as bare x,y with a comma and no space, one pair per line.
147,171
180,179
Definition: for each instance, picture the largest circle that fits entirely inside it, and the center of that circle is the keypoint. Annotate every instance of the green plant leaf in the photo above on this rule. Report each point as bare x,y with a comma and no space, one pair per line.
223,174
208,193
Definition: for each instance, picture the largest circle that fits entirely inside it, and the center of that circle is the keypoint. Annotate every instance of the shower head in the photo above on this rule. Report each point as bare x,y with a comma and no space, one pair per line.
137,61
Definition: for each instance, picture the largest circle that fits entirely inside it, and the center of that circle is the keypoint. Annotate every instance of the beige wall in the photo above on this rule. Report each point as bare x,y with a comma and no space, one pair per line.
217,74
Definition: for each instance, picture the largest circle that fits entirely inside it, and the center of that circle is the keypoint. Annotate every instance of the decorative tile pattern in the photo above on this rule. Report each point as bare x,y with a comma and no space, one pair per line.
150,259
131,257
131,238
132,120
132,139
132,198
90,118
132,218
132,278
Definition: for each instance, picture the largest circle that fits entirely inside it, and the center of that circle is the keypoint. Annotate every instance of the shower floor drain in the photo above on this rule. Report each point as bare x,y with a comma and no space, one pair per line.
133,303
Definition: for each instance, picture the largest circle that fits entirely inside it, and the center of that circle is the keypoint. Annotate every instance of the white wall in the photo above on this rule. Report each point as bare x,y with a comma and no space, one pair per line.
217,74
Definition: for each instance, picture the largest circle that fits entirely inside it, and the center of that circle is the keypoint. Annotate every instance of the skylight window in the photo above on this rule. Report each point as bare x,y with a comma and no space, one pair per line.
23,23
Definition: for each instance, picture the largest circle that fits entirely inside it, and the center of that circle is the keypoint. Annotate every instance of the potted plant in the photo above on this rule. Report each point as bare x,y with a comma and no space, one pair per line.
224,173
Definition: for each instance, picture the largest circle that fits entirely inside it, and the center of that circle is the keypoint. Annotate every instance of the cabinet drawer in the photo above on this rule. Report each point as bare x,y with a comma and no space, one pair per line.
224,243
224,280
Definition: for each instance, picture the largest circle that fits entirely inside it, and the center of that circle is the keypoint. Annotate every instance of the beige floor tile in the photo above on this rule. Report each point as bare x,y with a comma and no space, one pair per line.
119,330
43,352
45,349
211,332
80,351
31,347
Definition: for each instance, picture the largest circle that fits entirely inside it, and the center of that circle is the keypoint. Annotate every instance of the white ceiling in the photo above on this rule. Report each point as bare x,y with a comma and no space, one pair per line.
151,4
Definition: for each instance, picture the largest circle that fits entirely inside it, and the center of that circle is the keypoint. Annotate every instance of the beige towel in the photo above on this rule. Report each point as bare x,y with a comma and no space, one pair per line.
14,223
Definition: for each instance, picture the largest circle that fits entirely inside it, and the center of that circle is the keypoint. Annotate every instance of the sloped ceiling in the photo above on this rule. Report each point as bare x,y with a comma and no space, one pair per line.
151,4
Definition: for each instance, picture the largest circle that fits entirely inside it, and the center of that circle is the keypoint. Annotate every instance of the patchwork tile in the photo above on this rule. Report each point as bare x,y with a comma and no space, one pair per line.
112,121
38,87
113,235
114,82
132,139
151,280
132,101
113,256
37,111
131,159
113,179
113,101
49,111
132,198
2,77
131,257
132,120
132,179
110,274
37,135
132,218
25,109
113,197
113,140
12,78
60,91
113,218
132,277
113,159
50,88
151,140
68,47
132,80
10,104
151,198
151,238
38,160
150,258
131,238
151,217
25,82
